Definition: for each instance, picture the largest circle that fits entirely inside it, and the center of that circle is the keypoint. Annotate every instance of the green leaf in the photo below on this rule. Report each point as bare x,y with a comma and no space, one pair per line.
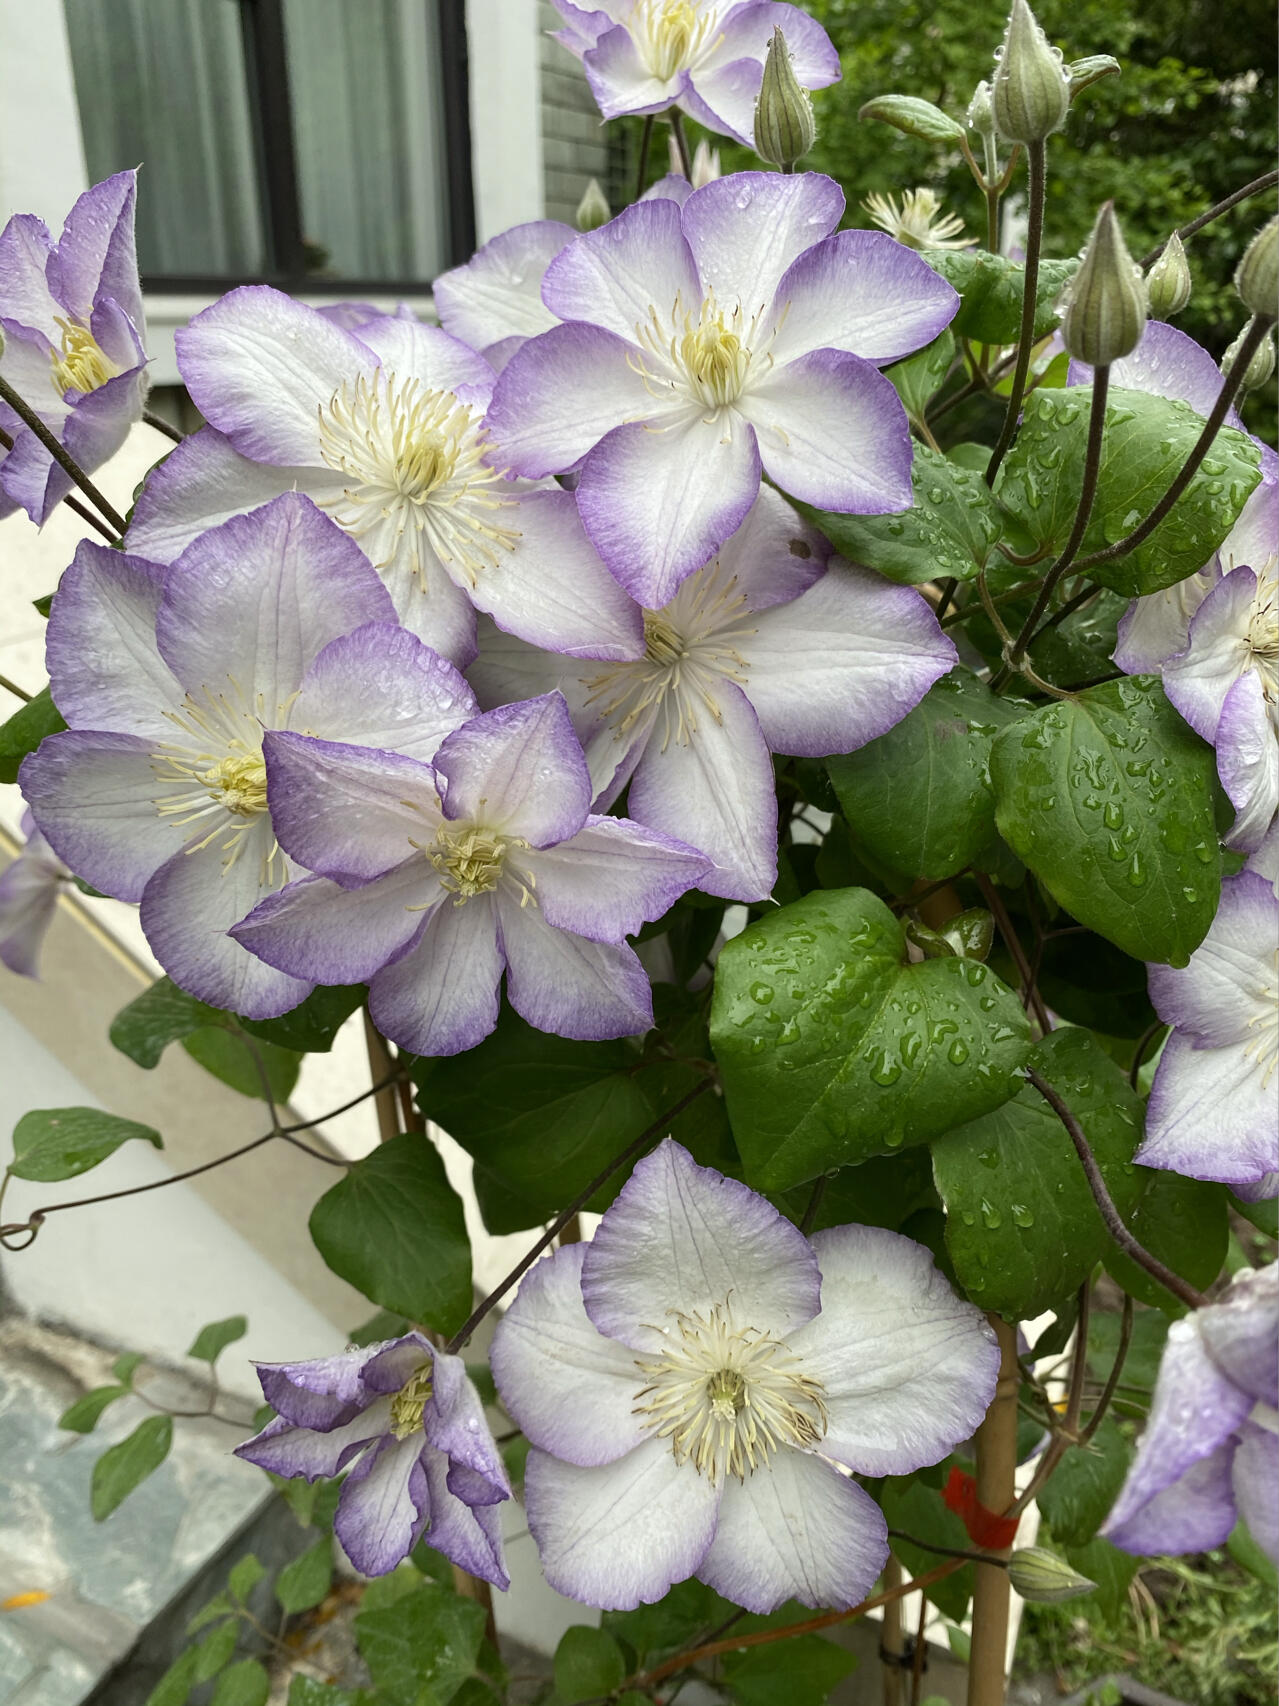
1108,798
1147,439
1077,1497
1186,1224
311,1027
306,1691
24,731
384,1325
156,1018
82,1416
211,1341
394,1228
920,1510
1083,72
1086,979
801,1671
884,1191
920,798
244,1576
669,1623
588,1662
991,290
541,1115
216,1650
1249,1556
1111,1569
126,1365
1263,1215
1021,1226
915,117
920,376
176,1683
123,1467
226,1055
1145,1352
833,1050
61,1143
305,1582
245,1684
219,1606
951,530
427,1637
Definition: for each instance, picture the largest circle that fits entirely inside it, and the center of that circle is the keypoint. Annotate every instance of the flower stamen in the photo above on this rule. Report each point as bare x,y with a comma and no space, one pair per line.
83,365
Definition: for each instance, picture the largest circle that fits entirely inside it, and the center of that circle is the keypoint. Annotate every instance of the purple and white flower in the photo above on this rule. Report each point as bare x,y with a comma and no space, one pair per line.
705,57
494,302
74,336
434,878
1213,1112
384,431
704,343
157,792
405,1423
1210,1452
29,889
700,1383
763,650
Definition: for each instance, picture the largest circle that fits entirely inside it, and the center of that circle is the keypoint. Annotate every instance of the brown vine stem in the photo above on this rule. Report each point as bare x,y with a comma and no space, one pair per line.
1181,1289
1036,162
1030,995
67,463
765,1637
996,1442
72,503
1266,181
161,425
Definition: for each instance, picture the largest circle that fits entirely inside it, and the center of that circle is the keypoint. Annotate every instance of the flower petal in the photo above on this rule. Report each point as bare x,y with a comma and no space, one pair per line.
569,1388
1211,1114
455,1425
441,996
410,349
566,984
658,502
908,1369
1193,1512
498,293
321,1393
747,229
347,812
681,1239
871,651
1214,995
381,687
104,667
314,929
832,431
619,1535
620,80
1156,627
864,292
28,900
611,877
774,556
1239,1333
284,1448
1217,652
519,770
1248,761
470,1537
379,1520
797,1529
619,276
1255,1484
96,254
1166,363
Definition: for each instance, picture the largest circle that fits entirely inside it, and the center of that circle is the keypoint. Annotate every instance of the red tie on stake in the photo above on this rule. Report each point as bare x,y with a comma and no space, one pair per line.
986,1528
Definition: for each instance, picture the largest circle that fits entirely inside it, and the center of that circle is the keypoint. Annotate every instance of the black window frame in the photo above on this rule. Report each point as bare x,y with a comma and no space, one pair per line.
275,159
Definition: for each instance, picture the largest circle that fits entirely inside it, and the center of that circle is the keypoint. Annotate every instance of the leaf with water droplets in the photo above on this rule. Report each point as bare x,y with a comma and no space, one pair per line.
1076,1499
991,289
853,1053
950,531
1150,884
918,379
1021,1226
915,117
1146,441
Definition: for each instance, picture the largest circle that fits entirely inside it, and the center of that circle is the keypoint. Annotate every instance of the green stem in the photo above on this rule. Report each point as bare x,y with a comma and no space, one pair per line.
1036,161
681,142
71,502
28,416
161,425
646,138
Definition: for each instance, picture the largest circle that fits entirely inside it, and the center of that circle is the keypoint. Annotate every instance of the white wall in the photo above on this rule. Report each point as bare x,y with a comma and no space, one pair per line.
506,118
42,167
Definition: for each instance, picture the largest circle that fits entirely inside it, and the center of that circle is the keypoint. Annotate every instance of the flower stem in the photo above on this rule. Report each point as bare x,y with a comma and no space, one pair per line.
814,1203
1180,1288
28,416
72,503
1030,996
161,425
1258,327
681,142
646,138
996,1442
1117,1368
1036,160
631,1152
1083,514
18,692
1266,181
384,1074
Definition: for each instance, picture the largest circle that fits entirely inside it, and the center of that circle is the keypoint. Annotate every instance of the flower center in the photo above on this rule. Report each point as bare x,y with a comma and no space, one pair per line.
410,1401
1264,1044
471,859
414,458
82,365
238,782
1263,630
663,645
707,354
670,34
727,1396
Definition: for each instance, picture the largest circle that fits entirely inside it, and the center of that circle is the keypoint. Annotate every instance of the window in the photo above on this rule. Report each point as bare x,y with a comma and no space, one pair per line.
315,144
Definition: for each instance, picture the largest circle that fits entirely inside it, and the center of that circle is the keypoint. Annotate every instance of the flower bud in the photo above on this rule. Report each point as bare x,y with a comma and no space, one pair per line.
1257,279
1031,94
1260,368
784,126
593,209
1105,309
1168,281
706,166
981,111
1044,1579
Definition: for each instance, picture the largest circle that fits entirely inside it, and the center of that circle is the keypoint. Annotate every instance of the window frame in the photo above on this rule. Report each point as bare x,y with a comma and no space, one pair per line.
271,116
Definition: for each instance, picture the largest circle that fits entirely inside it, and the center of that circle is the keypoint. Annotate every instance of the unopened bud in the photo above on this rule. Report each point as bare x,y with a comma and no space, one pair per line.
1168,281
593,209
1105,309
1041,1577
1257,278
705,163
981,111
1259,369
1031,94
785,129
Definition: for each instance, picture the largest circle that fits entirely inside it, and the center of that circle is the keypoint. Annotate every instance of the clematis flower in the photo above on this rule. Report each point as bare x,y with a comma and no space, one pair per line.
28,900
384,431
74,341
1210,1452
915,222
405,1422
1212,1112
436,877
707,342
700,1381
763,650
157,791
705,57
494,301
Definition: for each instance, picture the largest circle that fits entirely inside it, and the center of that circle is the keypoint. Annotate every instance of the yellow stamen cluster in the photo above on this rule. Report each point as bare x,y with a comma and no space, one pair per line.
1263,630
410,1401
238,782
82,364
671,34
471,861
914,223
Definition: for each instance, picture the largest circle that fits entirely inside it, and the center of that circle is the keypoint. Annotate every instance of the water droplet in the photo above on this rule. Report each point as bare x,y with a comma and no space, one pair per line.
1022,1215
957,1053
761,993
990,1215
